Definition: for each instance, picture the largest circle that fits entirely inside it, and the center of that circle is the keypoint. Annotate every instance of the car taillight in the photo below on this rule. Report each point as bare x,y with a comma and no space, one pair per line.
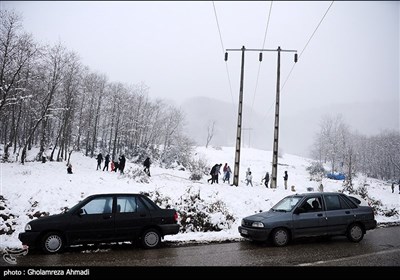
176,216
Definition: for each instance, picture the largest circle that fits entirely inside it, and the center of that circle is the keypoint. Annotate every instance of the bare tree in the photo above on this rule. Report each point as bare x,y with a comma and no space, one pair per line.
210,132
16,51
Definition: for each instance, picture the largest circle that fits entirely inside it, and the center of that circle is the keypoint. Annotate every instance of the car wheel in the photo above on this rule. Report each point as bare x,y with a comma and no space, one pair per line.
355,233
52,242
280,237
151,238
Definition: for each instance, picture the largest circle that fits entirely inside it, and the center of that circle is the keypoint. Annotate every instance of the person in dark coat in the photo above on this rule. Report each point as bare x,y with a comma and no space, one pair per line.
266,179
69,169
99,160
122,163
146,165
212,173
106,162
285,178
217,172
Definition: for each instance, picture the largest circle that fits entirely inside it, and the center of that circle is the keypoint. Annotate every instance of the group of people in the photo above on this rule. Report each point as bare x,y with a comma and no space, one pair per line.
249,178
115,165
215,171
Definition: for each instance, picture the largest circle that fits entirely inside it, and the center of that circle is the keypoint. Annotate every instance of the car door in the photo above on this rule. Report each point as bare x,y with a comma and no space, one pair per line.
338,213
131,217
94,221
311,220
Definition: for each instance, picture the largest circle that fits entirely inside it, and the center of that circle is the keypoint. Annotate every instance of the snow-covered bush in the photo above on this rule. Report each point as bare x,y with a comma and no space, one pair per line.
198,214
7,219
137,174
195,213
198,168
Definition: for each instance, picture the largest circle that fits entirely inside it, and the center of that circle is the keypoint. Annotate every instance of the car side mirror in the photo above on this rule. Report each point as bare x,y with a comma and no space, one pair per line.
81,212
299,210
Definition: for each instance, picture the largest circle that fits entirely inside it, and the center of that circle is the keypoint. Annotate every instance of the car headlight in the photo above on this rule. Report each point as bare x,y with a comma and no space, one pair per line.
257,224
28,227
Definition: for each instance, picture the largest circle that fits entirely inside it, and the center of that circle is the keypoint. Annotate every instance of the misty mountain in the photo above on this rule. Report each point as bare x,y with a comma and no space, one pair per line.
297,130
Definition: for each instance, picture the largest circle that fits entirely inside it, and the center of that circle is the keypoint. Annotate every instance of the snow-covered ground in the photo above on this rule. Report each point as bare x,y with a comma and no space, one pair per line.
47,187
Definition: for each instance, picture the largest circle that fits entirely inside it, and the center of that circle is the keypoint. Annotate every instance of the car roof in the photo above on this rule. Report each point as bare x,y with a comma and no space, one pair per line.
317,193
113,194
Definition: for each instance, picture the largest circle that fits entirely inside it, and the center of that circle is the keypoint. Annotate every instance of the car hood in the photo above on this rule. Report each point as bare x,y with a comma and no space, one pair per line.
57,218
263,216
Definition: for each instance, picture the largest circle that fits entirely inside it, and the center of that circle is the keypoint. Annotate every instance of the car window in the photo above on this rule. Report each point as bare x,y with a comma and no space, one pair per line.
149,204
100,205
312,204
334,202
352,201
126,204
140,206
286,204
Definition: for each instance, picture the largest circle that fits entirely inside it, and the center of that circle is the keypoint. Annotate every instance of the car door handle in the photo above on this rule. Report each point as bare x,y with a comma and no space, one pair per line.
142,215
319,215
347,212
106,217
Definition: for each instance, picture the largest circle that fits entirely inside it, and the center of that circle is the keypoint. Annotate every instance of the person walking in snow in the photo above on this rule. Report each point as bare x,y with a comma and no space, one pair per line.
122,161
249,179
227,176
217,172
106,162
69,168
212,173
393,187
285,178
146,165
266,179
99,160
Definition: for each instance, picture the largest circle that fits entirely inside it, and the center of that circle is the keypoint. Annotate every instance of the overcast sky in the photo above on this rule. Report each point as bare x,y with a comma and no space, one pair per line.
175,48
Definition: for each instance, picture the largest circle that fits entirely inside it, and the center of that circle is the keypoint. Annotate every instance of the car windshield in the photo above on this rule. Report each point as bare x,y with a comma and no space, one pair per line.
287,204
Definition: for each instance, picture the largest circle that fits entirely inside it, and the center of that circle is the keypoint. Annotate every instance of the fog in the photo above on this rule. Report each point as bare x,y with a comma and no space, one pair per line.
348,60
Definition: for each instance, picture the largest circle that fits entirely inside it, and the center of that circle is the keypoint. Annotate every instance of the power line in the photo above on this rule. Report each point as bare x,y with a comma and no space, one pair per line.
259,65
223,51
312,35
291,70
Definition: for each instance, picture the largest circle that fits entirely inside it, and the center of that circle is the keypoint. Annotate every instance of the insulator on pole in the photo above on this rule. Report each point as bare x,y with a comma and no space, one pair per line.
226,56
295,57
260,57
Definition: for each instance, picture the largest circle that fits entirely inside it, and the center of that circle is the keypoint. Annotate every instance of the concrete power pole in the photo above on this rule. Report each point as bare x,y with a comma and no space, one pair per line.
239,123
276,125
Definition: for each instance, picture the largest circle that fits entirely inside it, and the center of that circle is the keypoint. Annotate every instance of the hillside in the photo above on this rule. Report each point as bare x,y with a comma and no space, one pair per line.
36,188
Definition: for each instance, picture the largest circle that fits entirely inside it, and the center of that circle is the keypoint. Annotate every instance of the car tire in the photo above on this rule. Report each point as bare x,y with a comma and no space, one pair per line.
355,233
151,238
52,243
280,237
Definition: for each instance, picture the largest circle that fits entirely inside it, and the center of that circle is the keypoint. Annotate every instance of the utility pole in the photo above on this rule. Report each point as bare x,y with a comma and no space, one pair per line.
276,125
239,124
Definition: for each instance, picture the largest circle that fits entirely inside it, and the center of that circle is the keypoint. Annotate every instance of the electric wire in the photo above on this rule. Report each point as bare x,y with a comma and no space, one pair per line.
259,65
312,35
223,52
294,64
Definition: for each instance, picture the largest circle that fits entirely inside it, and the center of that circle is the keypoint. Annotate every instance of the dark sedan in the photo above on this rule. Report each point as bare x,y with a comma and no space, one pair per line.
103,218
307,215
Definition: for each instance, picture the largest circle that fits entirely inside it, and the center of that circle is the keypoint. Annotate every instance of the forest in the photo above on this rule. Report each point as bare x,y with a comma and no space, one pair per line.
49,99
